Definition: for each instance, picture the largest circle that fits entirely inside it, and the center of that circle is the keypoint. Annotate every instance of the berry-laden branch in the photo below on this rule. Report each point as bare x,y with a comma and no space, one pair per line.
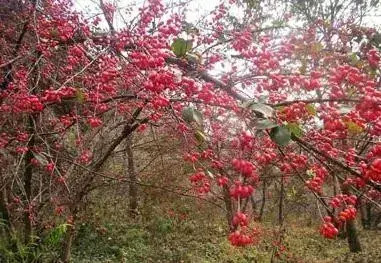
129,128
334,161
183,64
8,76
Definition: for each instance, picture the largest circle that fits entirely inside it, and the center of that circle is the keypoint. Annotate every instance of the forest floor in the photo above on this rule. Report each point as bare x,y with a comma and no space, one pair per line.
182,241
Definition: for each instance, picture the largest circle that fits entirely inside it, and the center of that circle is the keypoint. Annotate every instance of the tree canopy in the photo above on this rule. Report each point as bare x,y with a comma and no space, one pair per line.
245,95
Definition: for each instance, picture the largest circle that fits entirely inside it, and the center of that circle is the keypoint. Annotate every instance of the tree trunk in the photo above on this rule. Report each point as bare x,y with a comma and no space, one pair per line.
353,240
66,248
4,213
363,215
133,191
351,231
262,209
229,207
281,202
368,209
28,173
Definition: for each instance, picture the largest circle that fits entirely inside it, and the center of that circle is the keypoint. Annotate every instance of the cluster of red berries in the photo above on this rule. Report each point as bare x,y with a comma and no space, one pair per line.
50,167
343,199
241,191
200,181
244,167
315,184
157,81
95,122
21,149
206,93
153,9
357,182
334,125
57,95
348,213
206,154
242,40
294,112
348,201
373,172
240,219
346,73
266,157
328,230
368,108
222,181
240,239
145,62
246,140
189,85
192,157
24,103
172,26
217,164
297,161
374,58
85,157
160,102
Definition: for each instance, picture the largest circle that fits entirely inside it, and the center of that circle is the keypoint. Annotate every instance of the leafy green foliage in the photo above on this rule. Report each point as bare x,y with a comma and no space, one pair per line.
56,235
191,114
181,46
295,129
264,124
200,136
280,135
311,109
261,109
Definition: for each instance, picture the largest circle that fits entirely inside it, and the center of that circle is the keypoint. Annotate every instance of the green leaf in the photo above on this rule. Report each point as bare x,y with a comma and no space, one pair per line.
354,59
310,173
317,47
197,116
181,46
295,129
278,23
311,109
264,110
193,58
345,109
200,136
56,234
40,158
80,96
353,127
210,174
262,98
264,124
280,135
191,114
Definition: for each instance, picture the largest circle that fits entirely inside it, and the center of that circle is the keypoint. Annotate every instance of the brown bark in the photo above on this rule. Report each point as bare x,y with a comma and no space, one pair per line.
262,209
362,213
68,242
132,187
28,174
4,213
352,236
229,207
368,214
351,231
128,129
281,202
